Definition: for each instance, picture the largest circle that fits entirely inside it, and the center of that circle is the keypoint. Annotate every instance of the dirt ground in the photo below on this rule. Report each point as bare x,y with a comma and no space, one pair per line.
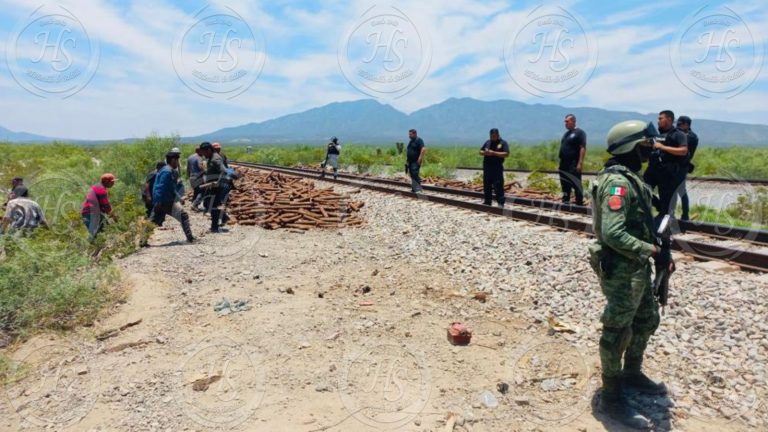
334,340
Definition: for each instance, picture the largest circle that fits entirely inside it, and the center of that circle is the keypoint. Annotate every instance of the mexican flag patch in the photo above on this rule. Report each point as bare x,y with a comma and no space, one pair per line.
618,191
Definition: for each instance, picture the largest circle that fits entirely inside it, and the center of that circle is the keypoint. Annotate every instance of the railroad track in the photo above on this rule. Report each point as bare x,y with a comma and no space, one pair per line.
760,182
744,248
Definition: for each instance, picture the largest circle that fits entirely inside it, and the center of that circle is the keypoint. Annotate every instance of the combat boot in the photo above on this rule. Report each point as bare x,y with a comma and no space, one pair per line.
634,379
614,404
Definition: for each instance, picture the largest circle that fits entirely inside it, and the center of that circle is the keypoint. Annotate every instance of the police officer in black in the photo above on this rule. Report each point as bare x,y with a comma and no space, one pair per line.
668,164
684,124
573,147
414,159
494,151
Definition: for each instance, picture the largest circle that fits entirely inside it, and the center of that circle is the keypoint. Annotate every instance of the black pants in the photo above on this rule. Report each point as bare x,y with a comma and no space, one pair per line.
493,180
213,202
570,180
413,170
667,178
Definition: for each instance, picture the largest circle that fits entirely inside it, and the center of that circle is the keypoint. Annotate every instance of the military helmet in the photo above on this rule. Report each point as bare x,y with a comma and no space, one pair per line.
624,136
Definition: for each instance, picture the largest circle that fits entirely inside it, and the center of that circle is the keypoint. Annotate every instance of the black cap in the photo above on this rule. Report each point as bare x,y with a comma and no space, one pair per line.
17,179
206,146
684,119
494,131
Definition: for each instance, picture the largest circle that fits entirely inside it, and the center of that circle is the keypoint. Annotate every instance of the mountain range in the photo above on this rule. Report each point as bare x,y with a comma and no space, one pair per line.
20,137
462,121
459,121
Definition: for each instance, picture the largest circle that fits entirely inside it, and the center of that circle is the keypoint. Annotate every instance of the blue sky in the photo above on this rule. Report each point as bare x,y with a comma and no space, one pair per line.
465,49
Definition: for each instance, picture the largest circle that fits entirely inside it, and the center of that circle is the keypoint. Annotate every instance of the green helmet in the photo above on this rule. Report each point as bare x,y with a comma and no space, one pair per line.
624,136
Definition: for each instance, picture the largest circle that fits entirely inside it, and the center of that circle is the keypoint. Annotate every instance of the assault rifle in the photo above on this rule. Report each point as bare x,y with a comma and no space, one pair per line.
663,262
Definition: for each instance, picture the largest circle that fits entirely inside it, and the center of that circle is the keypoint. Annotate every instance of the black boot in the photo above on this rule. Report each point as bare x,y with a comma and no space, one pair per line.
215,217
615,405
634,379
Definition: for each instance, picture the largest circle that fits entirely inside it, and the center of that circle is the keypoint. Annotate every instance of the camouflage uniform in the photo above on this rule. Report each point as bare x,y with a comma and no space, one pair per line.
624,247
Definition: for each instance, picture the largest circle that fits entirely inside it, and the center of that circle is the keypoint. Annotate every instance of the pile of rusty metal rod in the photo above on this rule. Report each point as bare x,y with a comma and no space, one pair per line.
513,187
273,200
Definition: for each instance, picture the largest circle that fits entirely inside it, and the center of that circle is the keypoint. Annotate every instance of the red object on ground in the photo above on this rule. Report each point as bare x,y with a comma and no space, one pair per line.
459,334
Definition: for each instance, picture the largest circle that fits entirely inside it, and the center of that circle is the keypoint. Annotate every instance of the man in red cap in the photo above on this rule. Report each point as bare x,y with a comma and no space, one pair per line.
96,206
217,149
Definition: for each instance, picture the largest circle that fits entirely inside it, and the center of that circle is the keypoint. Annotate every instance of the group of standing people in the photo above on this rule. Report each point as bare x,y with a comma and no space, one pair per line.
163,192
669,163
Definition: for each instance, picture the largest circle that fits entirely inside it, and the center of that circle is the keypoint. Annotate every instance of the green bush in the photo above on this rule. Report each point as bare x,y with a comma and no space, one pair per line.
53,278
752,208
544,183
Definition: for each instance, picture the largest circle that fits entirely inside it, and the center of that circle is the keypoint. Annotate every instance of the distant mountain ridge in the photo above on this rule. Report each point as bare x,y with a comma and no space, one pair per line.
464,121
459,121
21,137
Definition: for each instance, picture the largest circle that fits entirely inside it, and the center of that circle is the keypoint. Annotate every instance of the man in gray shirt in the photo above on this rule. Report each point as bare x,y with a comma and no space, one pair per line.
195,177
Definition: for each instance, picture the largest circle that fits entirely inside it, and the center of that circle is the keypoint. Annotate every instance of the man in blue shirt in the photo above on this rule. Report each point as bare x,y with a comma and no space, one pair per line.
165,193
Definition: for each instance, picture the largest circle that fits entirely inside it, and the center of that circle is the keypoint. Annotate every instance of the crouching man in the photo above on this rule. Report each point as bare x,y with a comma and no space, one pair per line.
164,195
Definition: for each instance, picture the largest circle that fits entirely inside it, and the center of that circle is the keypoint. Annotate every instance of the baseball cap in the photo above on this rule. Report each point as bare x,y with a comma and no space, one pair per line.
206,146
684,120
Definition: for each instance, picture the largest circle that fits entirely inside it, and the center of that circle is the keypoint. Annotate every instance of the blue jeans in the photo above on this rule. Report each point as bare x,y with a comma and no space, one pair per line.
94,222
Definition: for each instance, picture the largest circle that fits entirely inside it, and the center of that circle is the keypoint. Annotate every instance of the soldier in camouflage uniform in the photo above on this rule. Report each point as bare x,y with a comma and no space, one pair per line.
623,225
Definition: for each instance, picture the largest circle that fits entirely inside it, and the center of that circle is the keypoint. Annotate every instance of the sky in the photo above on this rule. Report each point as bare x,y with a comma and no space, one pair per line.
96,69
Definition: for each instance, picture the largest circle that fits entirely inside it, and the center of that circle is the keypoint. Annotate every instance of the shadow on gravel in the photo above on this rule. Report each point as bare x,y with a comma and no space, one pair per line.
656,408
170,244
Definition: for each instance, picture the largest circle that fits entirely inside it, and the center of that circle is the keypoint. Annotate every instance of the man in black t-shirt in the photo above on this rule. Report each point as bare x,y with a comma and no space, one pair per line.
684,124
494,151
573,147
414,159
668,164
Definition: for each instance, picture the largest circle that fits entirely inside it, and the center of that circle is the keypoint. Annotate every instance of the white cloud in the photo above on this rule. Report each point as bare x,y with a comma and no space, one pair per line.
136,89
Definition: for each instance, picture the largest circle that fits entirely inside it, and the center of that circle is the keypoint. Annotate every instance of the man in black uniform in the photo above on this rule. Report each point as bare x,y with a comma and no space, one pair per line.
684,124
573,147
494,151
414,158
668,164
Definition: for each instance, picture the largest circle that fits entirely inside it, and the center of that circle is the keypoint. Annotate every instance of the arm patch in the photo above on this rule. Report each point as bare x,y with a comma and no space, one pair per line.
615,202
